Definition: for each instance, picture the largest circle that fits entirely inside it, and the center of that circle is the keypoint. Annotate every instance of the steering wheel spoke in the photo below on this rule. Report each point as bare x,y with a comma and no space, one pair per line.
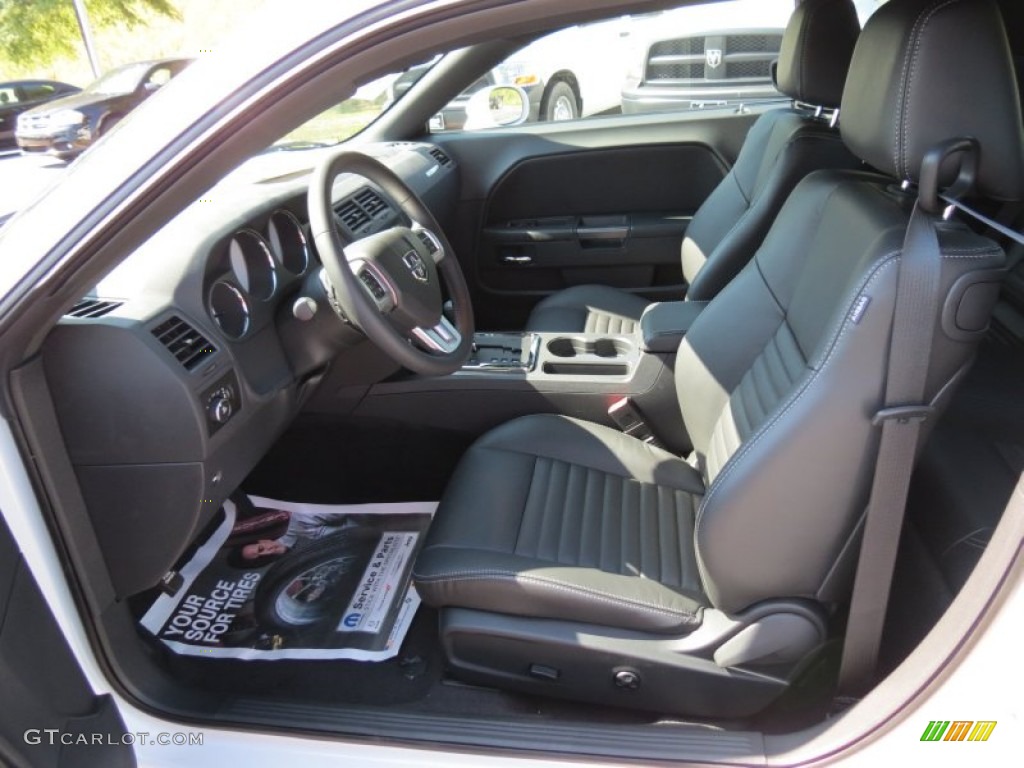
443,338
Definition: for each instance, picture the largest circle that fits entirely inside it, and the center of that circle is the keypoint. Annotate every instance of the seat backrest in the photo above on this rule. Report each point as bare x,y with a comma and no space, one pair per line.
782,147
780,376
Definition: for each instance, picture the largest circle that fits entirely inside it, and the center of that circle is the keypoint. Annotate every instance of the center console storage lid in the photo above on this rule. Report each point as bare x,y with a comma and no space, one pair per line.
664,324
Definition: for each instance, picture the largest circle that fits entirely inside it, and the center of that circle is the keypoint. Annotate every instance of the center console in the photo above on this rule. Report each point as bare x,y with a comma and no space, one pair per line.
582,375
553,354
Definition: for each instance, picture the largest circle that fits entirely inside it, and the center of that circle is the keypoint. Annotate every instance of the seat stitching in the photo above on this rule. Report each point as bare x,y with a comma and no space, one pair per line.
888,260
966,539
526,504
587,592
972,253
901,99
804,46
736,181
596,469
805,133
833,190
758,192
918,36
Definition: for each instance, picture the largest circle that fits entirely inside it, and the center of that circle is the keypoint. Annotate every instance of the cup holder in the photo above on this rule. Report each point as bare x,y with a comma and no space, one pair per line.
574,346
563,347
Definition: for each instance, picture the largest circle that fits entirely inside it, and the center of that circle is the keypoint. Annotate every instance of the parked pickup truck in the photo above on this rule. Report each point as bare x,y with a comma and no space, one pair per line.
722,67
687,58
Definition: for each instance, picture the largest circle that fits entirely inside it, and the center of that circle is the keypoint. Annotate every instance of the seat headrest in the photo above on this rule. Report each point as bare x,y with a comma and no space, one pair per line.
816,51
925,71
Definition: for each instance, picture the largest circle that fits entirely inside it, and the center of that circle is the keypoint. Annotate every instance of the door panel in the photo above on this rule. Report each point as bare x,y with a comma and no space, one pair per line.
50,715
622,215
550,205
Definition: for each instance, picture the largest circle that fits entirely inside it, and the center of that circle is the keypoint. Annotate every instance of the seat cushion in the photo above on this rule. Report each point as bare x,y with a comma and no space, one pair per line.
588,309
553,517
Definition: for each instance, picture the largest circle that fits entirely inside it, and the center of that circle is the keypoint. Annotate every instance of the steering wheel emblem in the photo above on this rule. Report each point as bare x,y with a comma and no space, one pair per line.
416,267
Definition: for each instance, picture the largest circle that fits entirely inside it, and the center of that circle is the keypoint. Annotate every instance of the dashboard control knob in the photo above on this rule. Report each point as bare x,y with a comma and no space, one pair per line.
304,309
220,407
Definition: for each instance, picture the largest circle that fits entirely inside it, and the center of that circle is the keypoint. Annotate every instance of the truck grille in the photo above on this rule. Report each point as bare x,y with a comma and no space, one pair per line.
686,46
688,60
745,69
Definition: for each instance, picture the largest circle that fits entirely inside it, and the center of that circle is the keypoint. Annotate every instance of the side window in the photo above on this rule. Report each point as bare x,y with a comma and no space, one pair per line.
348,118
37,92
711,56
8,96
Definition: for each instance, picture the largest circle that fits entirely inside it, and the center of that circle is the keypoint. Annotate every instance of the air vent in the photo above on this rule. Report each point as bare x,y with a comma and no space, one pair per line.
183,341
351,215
93,307
356,212
371,202
440,156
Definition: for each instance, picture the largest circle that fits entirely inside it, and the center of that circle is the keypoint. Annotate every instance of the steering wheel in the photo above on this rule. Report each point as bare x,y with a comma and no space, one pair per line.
389,284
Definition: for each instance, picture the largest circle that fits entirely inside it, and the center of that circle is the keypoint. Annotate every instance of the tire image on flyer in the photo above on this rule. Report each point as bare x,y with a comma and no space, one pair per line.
282,580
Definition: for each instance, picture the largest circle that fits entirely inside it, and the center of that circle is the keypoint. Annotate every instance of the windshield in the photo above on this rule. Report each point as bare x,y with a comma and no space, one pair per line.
344,120
119,81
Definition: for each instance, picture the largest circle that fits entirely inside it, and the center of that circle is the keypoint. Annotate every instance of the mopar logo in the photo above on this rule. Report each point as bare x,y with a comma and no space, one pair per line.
352,620
713,57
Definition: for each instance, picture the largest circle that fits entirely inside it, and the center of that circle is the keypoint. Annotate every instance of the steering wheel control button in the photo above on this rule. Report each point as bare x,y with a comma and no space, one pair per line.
431,242
304,309
374,286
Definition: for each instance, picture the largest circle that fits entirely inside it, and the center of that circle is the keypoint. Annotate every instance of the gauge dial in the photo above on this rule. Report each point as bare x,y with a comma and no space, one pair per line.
252,265
288,241
230,309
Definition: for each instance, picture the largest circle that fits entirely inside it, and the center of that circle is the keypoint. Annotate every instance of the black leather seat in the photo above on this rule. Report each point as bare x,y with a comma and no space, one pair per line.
573,560
782,147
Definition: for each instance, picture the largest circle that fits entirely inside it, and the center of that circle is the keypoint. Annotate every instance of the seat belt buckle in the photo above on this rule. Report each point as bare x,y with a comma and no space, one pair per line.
903,414
630,420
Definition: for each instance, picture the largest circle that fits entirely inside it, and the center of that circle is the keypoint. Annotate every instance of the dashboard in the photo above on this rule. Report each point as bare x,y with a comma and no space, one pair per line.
175,375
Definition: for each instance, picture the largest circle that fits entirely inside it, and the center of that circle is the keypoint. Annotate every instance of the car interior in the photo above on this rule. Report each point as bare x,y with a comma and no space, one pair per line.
641,361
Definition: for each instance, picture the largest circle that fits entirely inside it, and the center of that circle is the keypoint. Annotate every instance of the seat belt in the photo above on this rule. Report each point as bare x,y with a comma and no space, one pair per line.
909,353
905,410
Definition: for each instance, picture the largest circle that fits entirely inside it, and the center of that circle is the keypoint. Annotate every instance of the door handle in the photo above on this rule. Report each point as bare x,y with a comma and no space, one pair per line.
517,259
